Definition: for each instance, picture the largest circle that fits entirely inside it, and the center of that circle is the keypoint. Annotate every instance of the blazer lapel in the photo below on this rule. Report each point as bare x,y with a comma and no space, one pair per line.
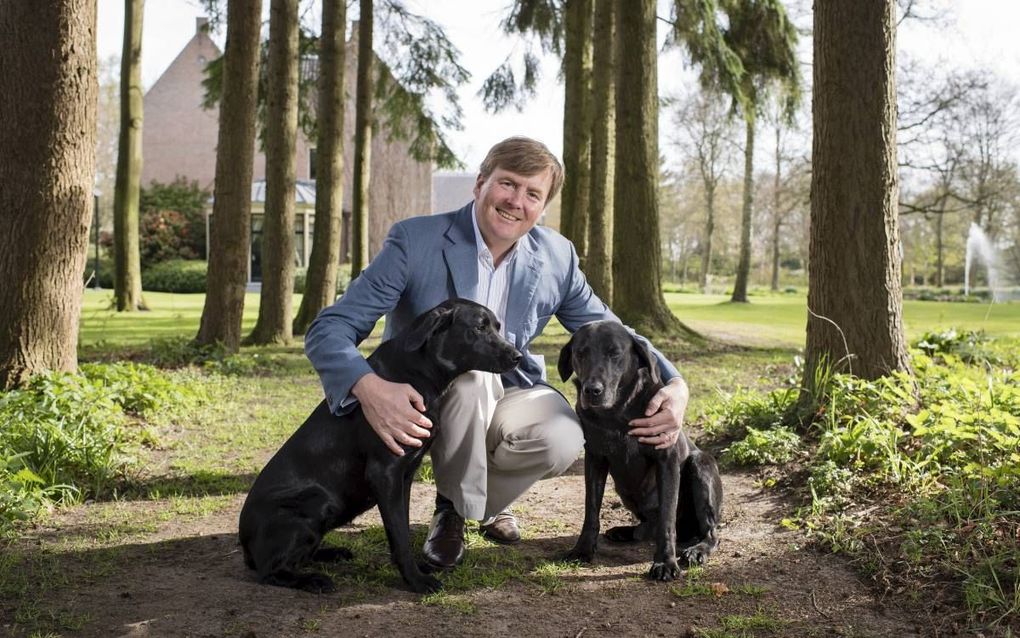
523,283
461,254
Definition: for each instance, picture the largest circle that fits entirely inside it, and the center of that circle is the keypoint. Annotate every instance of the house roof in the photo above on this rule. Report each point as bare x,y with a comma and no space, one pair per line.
304,193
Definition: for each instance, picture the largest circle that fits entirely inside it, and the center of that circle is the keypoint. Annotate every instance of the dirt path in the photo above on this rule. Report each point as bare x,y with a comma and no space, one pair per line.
186,578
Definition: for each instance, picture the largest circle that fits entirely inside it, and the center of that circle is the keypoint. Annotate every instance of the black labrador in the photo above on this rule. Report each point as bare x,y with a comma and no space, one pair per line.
675,493
334,468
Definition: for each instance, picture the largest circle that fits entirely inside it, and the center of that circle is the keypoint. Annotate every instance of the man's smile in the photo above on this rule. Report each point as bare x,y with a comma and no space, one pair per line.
507,216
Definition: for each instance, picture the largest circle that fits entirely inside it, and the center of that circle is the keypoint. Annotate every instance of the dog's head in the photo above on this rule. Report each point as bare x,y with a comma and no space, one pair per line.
462,335
606,359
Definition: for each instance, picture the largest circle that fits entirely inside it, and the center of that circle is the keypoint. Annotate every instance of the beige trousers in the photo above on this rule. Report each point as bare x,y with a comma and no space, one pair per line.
493,444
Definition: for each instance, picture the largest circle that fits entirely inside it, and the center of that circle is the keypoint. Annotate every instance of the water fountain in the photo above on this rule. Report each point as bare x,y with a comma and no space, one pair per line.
980,246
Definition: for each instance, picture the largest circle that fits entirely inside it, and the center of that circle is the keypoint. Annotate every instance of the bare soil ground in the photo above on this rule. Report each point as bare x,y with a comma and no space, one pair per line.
183,575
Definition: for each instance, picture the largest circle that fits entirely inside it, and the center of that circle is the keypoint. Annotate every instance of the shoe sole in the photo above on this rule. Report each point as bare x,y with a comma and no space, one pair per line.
499,540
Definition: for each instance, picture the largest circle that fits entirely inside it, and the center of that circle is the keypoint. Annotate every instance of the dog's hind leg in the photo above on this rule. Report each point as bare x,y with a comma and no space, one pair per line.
393,493
701,510
280,547
631,533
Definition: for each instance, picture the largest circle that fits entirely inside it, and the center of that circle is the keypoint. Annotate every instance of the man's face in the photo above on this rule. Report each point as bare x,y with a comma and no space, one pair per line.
508,205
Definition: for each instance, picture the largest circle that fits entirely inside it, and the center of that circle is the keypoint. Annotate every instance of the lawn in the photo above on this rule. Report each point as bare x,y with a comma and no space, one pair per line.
775,321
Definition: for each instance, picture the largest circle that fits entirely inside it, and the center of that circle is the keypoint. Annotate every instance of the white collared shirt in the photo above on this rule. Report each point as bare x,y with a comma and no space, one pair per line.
493,290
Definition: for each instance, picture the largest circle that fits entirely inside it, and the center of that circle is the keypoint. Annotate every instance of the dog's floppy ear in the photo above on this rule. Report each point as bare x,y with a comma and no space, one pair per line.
566,363
434,320
647,360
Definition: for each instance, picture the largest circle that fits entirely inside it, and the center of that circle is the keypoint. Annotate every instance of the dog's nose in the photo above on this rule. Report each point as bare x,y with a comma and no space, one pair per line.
516,357
594,390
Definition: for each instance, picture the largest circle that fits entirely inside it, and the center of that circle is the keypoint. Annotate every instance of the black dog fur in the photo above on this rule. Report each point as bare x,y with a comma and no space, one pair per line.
675,493
334,468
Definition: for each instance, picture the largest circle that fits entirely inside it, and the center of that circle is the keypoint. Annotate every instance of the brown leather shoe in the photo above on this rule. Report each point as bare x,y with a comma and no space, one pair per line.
444,548
502,529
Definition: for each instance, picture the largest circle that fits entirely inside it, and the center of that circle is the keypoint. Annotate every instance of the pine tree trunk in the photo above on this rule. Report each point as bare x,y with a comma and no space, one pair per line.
324,261
230,230
854,282
274,324
744,263
577,124
48,92
637,263
127,281
362,141
599,265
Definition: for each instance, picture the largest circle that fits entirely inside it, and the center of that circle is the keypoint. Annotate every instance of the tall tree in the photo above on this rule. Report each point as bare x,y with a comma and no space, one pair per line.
127,282
230,231
323,263
48,90
854,190
764,39
274,323
706,135
577,123
637,267
362,140
599,265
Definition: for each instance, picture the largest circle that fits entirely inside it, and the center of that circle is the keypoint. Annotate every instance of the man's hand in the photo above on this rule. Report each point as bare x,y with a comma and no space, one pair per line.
664,416
394,410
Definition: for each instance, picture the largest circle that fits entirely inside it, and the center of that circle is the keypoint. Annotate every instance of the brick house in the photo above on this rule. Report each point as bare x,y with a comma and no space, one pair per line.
179,139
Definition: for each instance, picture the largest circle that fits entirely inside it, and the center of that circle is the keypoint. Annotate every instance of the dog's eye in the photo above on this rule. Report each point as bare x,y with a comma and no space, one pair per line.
480,327
613,354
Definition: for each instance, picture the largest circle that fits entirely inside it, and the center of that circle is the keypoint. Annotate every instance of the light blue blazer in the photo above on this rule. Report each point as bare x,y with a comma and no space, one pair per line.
427,260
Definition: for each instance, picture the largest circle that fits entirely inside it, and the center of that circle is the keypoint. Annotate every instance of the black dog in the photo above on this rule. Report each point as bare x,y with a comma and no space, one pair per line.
334,468
675,493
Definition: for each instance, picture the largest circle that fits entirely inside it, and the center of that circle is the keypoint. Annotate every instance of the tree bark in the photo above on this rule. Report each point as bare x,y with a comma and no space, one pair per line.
577,124
324,262
854,290
362,141
276,301
48,91
744,263
599,265
637,263
706,254
127,281
230,231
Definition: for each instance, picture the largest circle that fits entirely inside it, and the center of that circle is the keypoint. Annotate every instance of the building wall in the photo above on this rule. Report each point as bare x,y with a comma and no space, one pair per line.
179,138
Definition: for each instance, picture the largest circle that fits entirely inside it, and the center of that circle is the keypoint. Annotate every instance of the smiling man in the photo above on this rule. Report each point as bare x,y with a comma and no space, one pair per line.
499,434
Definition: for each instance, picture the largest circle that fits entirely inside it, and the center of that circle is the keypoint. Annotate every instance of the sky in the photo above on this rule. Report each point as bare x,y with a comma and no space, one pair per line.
971,34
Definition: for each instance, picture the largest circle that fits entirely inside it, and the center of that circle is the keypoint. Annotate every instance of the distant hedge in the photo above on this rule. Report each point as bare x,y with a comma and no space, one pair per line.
175,275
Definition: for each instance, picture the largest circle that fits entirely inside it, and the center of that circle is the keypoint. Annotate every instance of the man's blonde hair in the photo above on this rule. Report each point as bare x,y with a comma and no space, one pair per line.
524,156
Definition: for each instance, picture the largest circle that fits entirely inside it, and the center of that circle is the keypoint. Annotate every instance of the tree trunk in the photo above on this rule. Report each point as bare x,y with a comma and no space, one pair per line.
323,263
577,124
744,263
777,218
48,92
362,141
127,281
637,263
854,293
274,324
940,264
230,231
599,265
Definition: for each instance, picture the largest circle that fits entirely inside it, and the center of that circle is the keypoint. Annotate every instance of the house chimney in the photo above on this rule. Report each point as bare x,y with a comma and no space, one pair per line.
201,25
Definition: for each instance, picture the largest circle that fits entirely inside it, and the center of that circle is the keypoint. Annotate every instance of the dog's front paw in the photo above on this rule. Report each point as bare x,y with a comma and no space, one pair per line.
581,553
425,584
665,571
696,554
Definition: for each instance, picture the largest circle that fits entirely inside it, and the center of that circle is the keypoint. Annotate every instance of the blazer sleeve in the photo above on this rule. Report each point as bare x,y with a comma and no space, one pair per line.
331,342
580,305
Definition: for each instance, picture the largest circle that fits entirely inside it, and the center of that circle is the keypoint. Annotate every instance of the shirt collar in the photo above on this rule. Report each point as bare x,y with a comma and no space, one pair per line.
483,249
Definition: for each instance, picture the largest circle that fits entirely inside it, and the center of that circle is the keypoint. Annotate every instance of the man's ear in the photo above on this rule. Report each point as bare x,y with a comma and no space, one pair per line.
434,321
647,360
566,362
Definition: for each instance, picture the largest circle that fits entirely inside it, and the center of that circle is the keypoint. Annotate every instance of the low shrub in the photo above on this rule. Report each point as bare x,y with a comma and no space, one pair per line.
764,447
69,436
177,275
